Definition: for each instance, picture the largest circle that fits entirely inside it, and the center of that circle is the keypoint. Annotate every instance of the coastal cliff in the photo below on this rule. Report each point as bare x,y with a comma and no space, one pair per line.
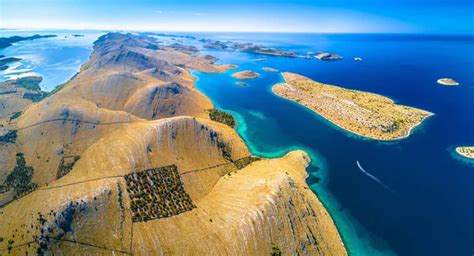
125,158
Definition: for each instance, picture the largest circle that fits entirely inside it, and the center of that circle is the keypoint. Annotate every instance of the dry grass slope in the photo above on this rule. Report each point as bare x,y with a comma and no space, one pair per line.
124,159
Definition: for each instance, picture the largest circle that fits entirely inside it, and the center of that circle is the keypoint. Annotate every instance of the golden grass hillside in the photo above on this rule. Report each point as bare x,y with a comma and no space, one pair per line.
124,159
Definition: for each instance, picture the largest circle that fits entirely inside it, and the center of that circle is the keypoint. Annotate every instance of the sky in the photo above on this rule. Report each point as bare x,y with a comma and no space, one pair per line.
324,16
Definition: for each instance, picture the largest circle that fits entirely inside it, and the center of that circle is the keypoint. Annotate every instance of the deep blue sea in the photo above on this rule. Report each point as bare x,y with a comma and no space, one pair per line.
431,208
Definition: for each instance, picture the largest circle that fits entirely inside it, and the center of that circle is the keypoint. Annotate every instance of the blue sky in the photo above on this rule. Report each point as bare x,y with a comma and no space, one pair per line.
402,16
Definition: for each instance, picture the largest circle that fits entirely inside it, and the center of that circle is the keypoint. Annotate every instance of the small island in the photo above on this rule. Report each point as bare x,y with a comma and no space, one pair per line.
217,45
365,114
241,84
466,151
328,56
270,69
260,49
447,82
246,74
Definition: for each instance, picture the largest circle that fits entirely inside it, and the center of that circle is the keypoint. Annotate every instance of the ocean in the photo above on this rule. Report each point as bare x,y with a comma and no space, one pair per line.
56,59
429,206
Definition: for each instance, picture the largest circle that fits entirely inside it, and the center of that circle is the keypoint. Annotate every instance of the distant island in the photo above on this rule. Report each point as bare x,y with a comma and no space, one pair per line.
246,47
366,114
218,45
270,69
466,151
260,49
447,82
246,74
328,56
8,41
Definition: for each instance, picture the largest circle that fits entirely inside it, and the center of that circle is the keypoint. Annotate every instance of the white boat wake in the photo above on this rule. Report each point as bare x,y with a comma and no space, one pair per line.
374,178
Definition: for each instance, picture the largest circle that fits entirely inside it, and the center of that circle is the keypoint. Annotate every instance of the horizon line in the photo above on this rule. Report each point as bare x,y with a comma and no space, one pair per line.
236,31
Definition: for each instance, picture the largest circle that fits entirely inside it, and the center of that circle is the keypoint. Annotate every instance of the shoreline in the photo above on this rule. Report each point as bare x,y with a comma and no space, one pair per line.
465,155
241,129
322,100
409,132
355,238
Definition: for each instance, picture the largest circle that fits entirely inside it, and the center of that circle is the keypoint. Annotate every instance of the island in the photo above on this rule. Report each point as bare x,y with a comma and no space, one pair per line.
365,114
447,82
8,41
328,56
128,157
466,151
246,74
218,45
246,47
260,49
270,69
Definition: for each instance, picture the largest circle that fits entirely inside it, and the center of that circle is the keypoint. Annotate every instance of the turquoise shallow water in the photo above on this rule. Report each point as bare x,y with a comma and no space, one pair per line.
433,193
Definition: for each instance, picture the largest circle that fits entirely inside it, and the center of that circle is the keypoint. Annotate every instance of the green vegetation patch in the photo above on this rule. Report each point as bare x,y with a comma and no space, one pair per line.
222,117
61,86
28,82
66,164
9,137
20,178
225,149
243,162
276,251
157,193
15,116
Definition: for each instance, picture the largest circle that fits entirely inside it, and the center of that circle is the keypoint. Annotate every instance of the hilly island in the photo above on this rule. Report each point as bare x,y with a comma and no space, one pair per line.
127,157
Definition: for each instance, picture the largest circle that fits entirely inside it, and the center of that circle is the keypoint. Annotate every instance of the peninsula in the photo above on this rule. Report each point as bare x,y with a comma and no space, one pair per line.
466,151
8,41
362,113
246,74
129,158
